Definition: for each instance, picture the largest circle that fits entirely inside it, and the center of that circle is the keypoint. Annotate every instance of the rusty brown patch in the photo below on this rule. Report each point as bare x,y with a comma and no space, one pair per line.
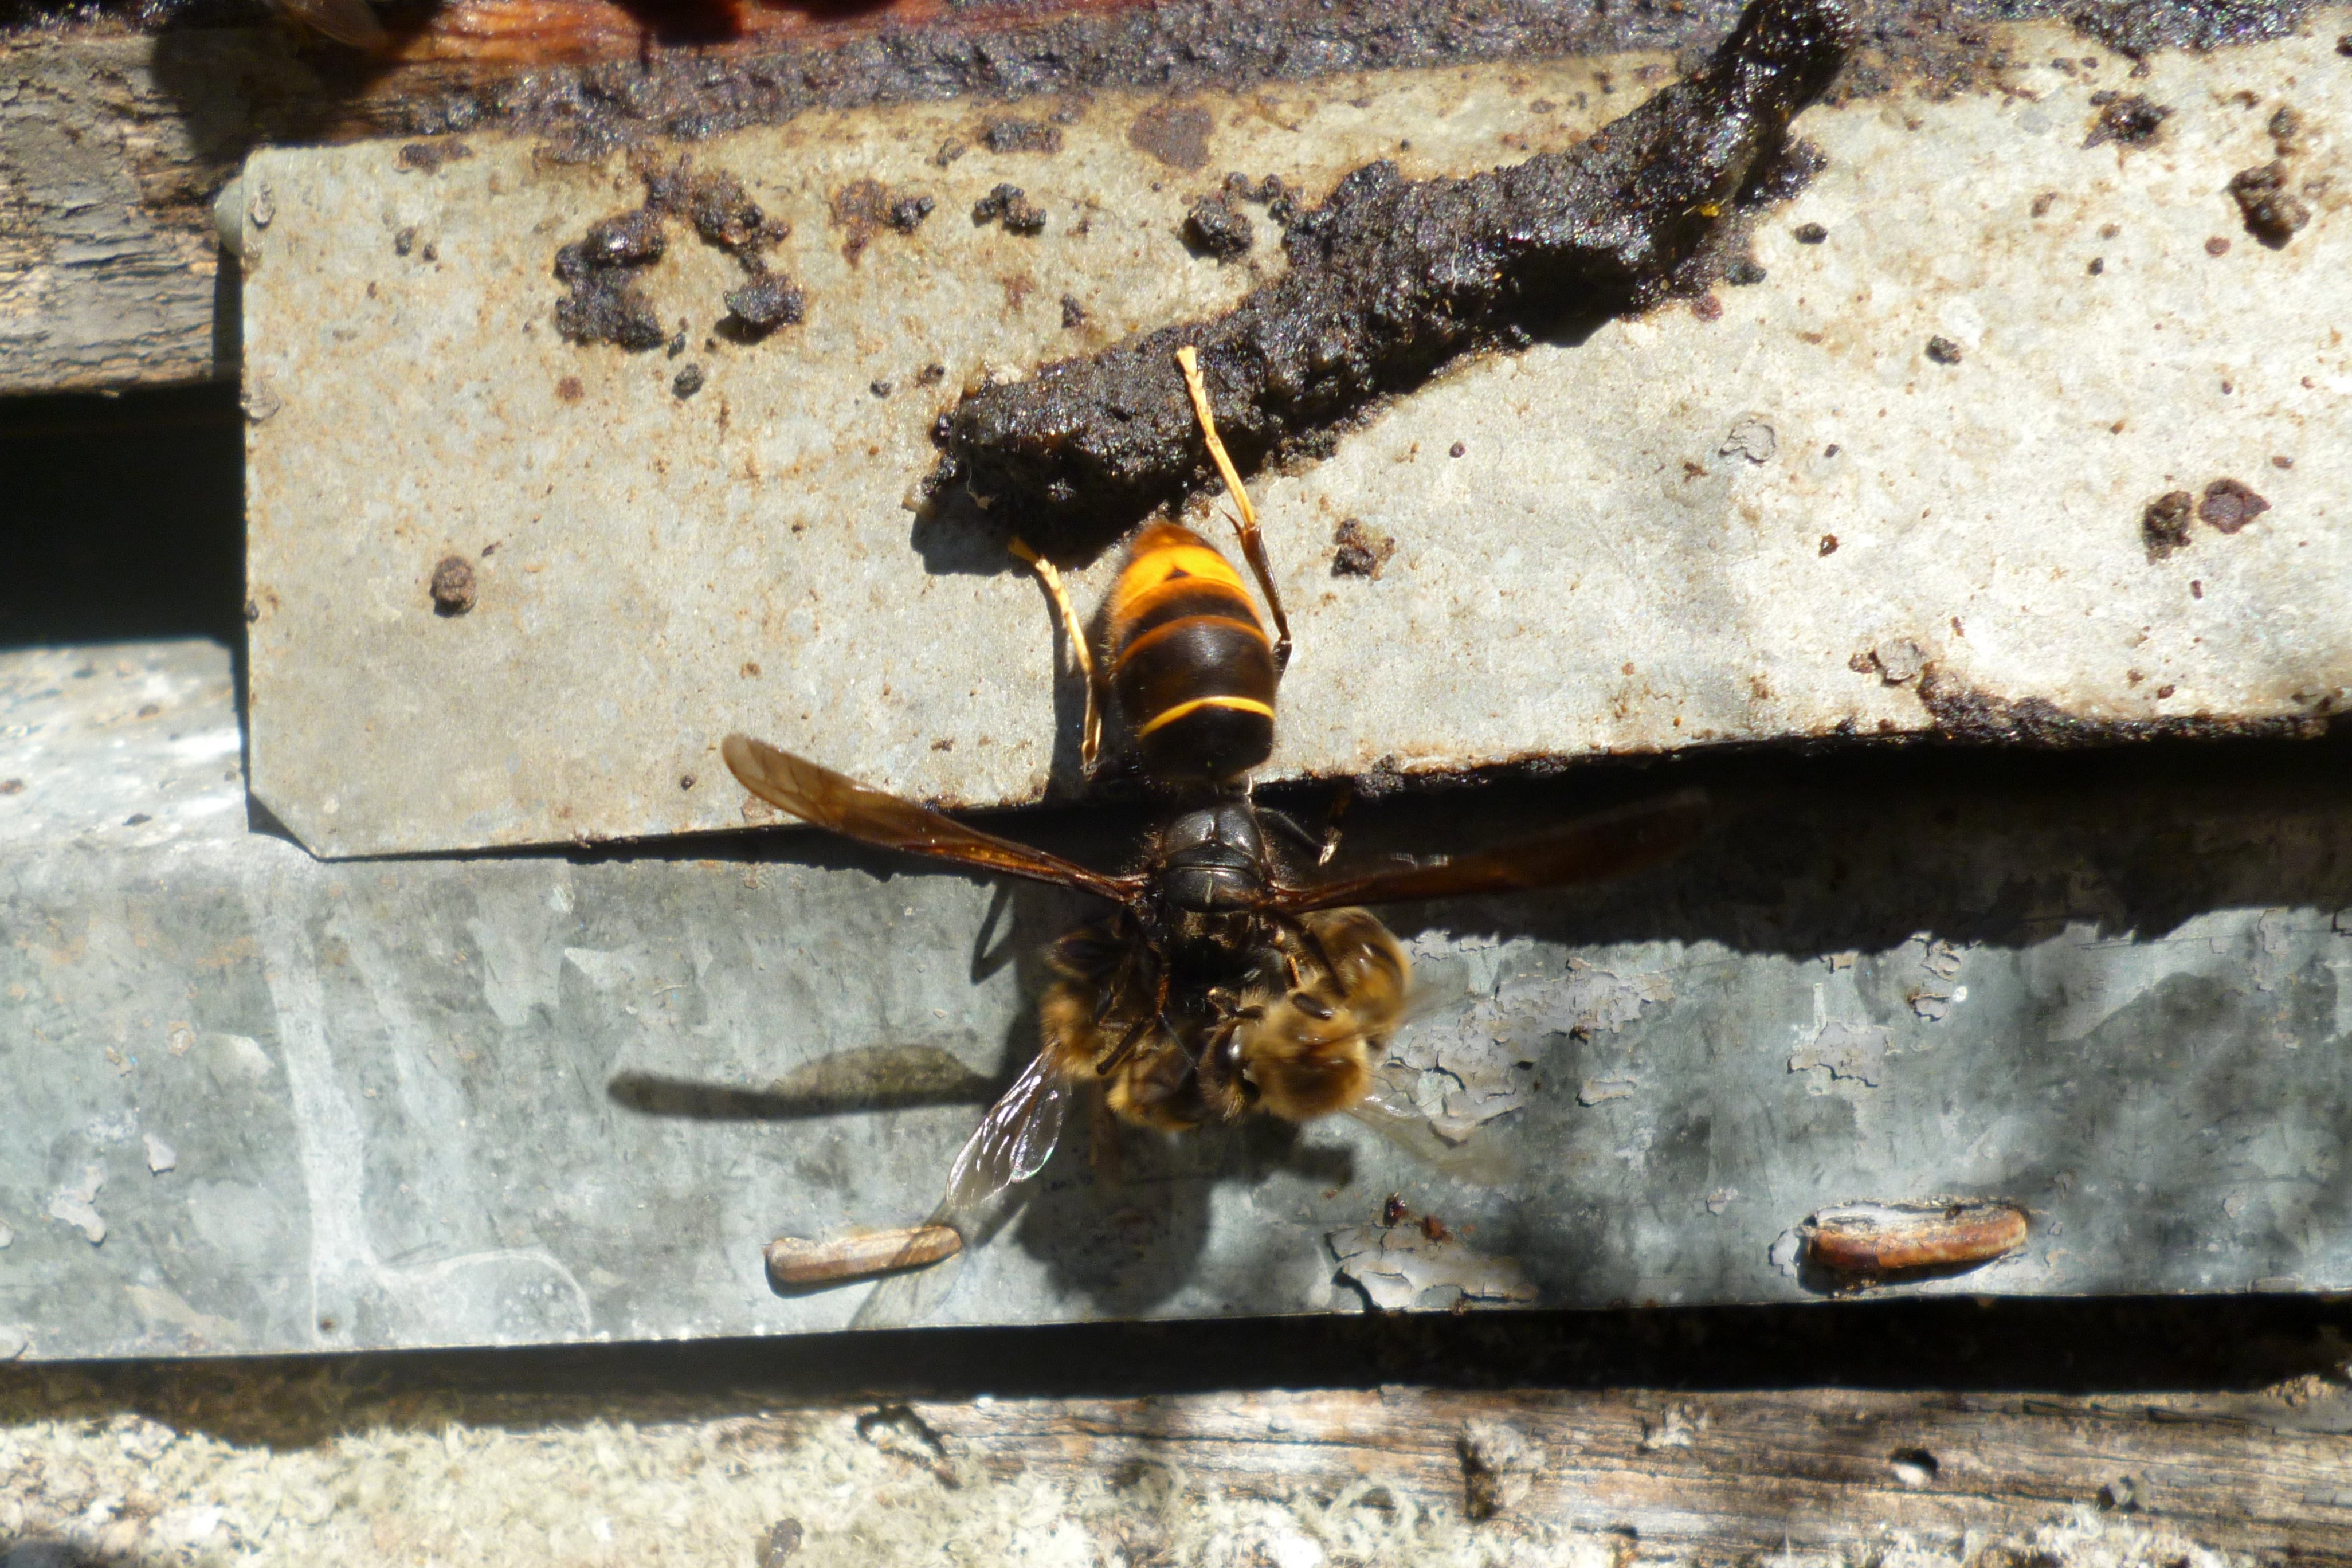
427,157
858,210
2228,506
1175,133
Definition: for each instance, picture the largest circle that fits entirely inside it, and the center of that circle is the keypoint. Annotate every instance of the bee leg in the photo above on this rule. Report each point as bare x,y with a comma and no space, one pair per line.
1252,545
1135,1031
1104,1152
1306,939
1323,845
1339,803
1090,736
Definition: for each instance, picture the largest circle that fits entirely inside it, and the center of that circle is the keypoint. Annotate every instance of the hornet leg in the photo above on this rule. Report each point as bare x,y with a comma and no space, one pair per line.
1252,545
1090,737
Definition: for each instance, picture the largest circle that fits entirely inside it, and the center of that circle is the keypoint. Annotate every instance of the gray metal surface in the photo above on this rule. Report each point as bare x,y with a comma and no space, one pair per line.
259,1102
1780,522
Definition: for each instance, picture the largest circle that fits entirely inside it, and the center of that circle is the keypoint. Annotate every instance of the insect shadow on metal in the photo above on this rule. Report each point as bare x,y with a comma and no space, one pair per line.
1219,987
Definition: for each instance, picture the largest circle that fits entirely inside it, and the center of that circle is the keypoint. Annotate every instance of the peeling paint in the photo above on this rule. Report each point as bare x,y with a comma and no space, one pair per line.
1400,1269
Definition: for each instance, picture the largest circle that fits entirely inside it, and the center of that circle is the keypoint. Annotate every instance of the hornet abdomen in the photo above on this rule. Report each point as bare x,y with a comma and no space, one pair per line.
1191,663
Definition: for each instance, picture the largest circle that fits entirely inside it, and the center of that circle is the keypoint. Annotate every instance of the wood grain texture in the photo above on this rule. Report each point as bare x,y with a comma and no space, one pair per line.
1817,1469
107,265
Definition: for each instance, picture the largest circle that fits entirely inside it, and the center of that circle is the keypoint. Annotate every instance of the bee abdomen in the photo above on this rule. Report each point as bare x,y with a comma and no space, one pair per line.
1190,662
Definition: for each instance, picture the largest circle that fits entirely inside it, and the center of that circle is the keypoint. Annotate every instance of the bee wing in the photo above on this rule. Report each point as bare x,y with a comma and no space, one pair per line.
833,801
1479,1162
1608,845
1013,1141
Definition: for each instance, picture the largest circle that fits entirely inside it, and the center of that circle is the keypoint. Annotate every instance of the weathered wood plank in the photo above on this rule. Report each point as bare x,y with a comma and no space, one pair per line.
1815,1469
107,265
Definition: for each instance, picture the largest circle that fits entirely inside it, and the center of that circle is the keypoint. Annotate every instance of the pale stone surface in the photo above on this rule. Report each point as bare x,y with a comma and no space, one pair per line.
1608,567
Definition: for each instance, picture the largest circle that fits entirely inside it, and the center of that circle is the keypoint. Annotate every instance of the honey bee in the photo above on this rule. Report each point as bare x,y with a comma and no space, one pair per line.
1218,986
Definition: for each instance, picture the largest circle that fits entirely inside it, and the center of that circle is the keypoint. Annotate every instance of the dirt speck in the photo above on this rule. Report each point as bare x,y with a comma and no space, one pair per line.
878,388
568,389
607,303
1809,234
1744,274
453,587
2166,690
405,241
1943,351
12,786
426,157
1458,450
631,239
2217,246
931,374
1707,307
1362,553
2285,129
2128,120
949,151
1827,545
2273,214
768,301
862,207
1011,136
1175,133
1280,202
2228,506
1011,206
687,381
858,210
2164,526
782,1541
1074,315
1392,1209
2097,265
2043,203
1215,227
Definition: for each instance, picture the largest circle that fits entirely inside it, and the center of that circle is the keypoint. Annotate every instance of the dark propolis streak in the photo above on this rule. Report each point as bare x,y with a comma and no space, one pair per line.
1391,278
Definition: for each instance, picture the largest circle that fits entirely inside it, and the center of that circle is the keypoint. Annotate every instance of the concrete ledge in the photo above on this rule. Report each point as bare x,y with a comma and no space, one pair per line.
1787,519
